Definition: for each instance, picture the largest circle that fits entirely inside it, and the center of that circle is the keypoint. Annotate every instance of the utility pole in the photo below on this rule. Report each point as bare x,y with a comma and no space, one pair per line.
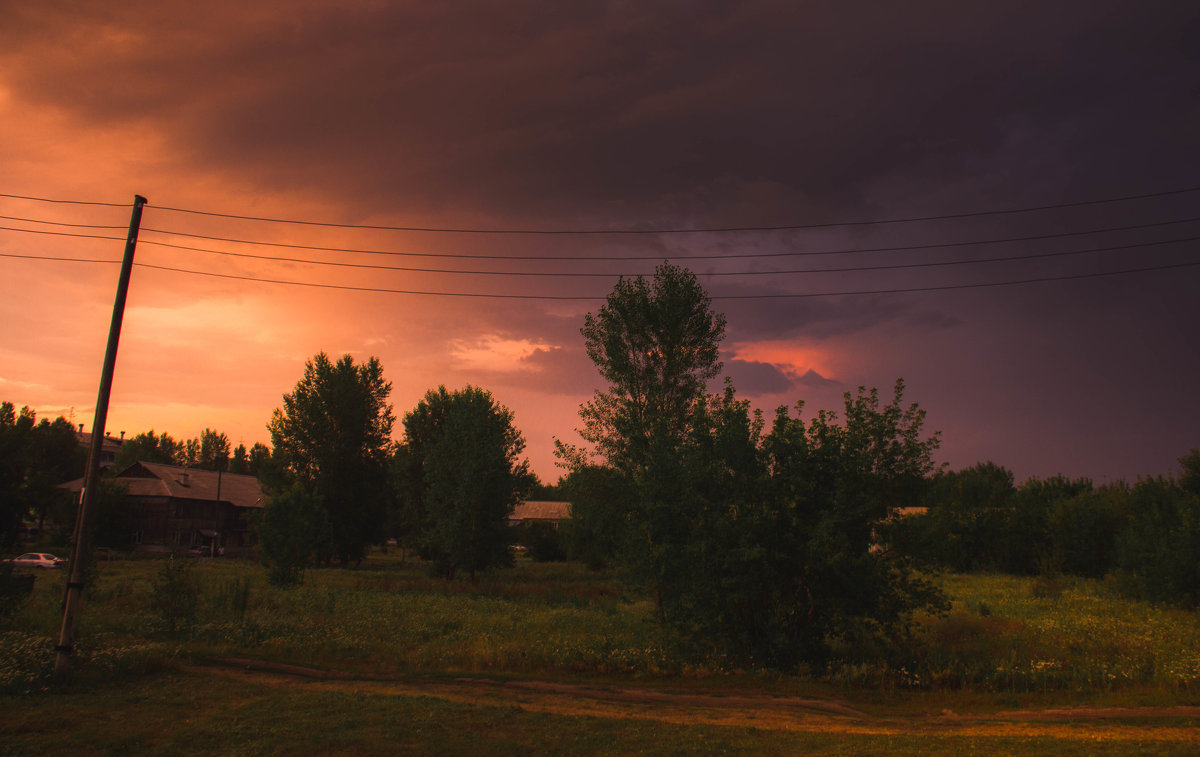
91,480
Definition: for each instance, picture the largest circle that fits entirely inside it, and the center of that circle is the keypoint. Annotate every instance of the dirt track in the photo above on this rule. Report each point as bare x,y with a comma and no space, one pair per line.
741,710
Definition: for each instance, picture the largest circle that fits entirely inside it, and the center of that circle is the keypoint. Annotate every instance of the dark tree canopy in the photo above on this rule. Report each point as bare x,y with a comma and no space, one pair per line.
213,451
657,343
463,454
35,456
760,548
333,436
293,530
150,448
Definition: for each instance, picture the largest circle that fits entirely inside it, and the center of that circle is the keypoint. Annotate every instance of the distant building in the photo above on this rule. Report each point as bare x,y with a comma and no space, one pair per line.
540,511
108,449
173,507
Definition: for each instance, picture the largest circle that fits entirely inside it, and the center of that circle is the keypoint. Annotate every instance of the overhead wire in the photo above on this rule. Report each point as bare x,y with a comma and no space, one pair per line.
702,256
848,269
709,230
662,230
764,272
759,296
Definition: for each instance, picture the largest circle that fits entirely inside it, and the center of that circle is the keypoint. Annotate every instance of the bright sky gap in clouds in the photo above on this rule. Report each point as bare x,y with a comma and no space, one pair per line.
603,117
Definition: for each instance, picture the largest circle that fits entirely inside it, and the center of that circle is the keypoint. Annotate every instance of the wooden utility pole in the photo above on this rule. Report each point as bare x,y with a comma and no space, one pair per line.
91,480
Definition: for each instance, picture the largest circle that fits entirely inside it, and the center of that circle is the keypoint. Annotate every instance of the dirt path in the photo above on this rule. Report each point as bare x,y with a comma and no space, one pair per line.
741,710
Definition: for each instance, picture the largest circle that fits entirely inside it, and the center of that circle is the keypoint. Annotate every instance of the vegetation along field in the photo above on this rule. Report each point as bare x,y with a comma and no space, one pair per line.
554,657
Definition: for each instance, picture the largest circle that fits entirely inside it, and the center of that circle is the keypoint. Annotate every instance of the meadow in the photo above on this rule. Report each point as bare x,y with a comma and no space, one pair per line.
1007,642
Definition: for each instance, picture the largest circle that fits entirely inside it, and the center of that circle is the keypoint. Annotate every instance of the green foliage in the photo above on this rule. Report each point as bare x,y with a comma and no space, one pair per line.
965,513
1189,479
781,559
544,541
1030,539
35,456
147,447
112,523
600,504
1082,530
14,590
757,548
656,342
1156,553
213,451
462,453
293,530
977,520
176,595
333,436
249,462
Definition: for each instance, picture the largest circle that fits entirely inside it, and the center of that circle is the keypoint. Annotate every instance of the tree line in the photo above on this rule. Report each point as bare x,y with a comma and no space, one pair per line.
1144,536
765,541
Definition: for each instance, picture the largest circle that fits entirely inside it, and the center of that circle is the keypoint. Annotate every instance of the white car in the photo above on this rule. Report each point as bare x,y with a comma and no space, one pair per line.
37,560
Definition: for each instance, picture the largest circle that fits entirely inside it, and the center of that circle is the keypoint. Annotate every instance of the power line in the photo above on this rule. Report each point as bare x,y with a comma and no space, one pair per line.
702,256
61,233
593,274
56,259
710,230
61,223
764,296
781,295
66,202
589,258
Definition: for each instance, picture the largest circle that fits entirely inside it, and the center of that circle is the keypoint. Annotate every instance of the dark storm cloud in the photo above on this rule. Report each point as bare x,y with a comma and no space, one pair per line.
611,112
755,378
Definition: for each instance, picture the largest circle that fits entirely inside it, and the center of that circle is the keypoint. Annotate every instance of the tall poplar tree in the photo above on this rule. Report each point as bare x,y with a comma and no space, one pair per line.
333,436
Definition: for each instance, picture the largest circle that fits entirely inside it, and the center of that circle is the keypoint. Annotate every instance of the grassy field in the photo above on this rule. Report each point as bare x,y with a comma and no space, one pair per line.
396,661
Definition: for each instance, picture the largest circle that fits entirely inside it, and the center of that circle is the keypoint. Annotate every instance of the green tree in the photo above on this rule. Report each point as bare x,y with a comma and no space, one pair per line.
239,462
1082,530
656,343
600,503
966,515
1189,479
293,531
333,436
468,453
1156,550
761,549
147,447
213,453
35,456
14,436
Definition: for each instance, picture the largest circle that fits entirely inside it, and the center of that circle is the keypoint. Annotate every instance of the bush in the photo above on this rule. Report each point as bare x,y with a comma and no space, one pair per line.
292,530
545,542
1156,552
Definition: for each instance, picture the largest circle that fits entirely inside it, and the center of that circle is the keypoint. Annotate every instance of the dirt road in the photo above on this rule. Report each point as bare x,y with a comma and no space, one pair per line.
1170,724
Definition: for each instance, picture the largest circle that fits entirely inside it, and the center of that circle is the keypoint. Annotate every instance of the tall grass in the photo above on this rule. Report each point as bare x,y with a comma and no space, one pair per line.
1004,633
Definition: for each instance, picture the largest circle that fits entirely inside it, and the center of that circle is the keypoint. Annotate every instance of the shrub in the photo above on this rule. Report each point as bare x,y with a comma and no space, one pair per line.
545,542
1156,552
292,529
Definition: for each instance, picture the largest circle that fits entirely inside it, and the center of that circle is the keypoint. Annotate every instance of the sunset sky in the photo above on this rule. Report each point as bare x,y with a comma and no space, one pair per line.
605,117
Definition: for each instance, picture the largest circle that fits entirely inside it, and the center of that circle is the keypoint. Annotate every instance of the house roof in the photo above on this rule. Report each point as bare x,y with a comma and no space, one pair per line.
541,510
109,444
159,480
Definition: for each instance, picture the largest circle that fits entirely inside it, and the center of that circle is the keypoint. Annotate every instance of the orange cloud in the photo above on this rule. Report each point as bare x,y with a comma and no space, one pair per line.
787,354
